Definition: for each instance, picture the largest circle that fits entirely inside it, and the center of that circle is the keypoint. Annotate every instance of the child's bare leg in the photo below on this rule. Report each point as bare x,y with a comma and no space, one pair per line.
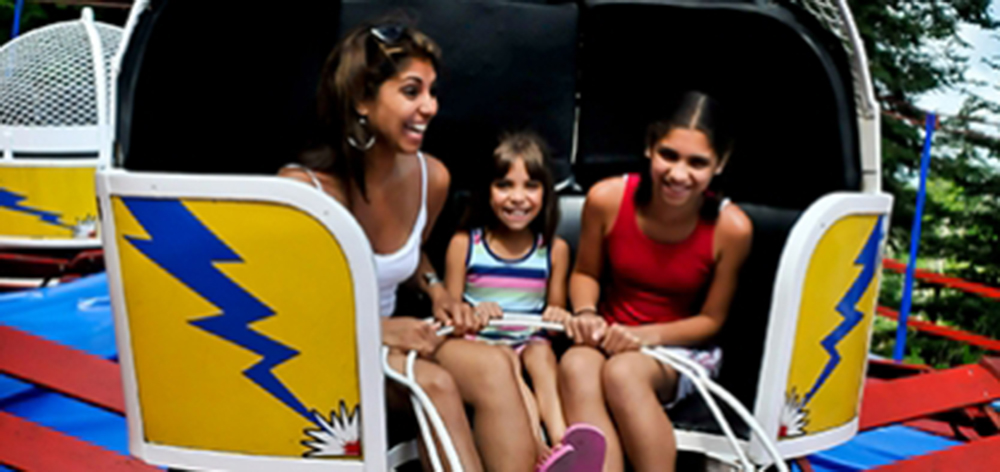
444,393
540,362
636,386
582,397
485,378
529,402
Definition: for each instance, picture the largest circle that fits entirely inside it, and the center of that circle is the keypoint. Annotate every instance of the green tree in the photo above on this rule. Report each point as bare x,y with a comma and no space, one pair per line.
914,49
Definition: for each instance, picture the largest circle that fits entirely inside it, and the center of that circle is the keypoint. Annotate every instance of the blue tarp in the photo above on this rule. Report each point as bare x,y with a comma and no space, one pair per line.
878,447
76,314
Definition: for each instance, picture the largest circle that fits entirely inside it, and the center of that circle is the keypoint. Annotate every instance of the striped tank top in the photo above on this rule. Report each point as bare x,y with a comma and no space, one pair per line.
517,285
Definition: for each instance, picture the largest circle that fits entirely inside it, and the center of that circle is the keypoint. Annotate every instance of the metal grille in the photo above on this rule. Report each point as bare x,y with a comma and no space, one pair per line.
829,14
47,76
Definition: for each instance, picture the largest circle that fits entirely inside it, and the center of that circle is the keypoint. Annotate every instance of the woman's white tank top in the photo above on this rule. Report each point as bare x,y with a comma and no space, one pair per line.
395,268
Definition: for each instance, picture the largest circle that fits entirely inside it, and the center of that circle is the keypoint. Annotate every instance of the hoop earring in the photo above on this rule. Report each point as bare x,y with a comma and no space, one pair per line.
362,123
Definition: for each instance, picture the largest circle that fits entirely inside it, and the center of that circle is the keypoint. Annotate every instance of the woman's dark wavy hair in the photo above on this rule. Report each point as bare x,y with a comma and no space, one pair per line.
353,73
694,111
534,151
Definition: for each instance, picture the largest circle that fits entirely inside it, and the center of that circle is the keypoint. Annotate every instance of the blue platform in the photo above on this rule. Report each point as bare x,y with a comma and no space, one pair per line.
878,447
76,314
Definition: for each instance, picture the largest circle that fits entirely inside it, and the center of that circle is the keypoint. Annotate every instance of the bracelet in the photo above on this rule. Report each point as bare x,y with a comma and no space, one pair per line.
431,278
586,309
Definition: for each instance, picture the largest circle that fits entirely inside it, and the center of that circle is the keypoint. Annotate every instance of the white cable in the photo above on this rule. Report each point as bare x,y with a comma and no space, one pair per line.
699,377
734,403
432,414
769,445
418,411
740,410
713,407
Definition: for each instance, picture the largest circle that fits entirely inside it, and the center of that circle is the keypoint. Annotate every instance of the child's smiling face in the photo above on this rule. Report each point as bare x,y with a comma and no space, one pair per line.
516,198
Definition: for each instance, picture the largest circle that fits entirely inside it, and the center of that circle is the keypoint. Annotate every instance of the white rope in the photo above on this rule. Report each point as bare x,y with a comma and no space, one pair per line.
418,411
699,378
428,407
697,381
733,402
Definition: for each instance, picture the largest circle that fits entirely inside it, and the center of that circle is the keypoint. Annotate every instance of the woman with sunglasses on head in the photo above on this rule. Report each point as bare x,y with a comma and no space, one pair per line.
376,99
671,257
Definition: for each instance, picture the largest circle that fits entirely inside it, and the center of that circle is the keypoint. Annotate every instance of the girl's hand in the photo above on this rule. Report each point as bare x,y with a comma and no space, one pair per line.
489,311
483,313
618,339
411,334
455,313
585,329
556,314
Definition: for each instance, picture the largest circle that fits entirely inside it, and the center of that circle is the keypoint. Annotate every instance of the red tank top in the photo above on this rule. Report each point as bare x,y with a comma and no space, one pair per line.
653,282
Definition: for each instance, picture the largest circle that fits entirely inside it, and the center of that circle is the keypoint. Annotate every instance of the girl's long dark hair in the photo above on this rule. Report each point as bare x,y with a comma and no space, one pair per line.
694,111
353,73
533,150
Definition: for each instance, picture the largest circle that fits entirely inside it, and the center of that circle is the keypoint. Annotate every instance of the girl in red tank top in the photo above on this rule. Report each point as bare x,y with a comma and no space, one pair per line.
656,266
652,281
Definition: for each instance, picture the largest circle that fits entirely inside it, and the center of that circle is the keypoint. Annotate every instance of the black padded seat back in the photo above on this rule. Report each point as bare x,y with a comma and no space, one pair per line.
208,88
507,66
743,336
789,97
570,219
212,89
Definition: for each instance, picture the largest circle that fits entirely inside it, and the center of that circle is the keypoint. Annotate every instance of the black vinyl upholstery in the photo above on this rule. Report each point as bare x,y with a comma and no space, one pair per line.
788,100
507,66
215,89
209,88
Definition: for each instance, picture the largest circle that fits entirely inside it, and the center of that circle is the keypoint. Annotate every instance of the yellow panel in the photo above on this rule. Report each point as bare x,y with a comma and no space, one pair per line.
251,381
48,202
831,340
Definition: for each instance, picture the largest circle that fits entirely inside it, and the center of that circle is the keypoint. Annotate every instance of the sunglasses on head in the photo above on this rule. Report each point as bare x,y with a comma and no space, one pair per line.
388,34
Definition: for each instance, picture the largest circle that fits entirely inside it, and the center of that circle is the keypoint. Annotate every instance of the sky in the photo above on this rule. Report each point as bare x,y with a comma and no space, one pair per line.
982,44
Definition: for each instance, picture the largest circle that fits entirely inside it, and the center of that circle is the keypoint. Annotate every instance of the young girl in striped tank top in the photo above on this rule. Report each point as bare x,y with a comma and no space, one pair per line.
507,260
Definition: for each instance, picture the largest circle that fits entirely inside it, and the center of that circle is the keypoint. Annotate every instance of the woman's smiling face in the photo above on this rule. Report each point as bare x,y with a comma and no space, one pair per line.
404,106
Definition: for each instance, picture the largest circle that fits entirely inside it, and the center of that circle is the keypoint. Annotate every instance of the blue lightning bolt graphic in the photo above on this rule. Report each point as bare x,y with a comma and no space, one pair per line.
12,201
184,247
847,306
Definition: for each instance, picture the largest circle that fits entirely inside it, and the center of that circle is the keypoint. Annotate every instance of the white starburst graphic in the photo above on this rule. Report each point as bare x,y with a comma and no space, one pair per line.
794,416
339,436
85,228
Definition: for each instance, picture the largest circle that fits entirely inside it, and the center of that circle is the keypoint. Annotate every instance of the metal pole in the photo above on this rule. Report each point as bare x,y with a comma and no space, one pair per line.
16,28
904,312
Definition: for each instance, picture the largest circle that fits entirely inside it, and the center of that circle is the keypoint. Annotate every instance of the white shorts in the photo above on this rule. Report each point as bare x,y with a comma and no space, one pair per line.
708,357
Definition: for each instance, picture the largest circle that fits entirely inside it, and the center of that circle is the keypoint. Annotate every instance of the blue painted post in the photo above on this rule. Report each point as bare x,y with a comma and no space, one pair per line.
16,28
904,311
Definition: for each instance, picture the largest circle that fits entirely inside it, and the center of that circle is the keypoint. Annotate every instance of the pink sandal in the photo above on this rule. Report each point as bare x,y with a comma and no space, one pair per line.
588,446
559,460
